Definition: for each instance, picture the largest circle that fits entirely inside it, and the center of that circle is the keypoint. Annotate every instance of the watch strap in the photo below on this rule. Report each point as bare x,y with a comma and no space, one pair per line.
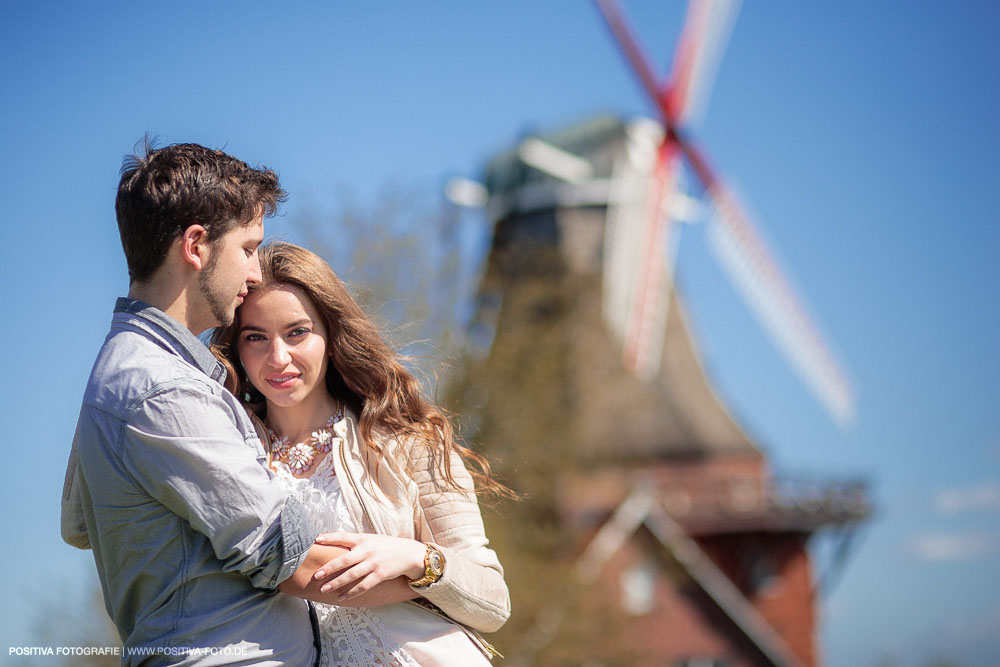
433,567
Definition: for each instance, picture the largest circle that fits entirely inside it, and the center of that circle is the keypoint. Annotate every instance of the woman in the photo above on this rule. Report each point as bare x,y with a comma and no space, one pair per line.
377,465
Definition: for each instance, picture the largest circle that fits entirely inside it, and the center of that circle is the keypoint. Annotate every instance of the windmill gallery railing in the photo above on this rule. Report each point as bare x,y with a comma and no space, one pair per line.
721,499
777,503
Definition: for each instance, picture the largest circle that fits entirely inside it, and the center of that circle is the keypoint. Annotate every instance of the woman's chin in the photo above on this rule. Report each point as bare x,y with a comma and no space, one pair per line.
283,400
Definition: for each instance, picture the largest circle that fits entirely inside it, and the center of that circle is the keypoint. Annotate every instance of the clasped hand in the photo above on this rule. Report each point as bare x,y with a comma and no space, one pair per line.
371,559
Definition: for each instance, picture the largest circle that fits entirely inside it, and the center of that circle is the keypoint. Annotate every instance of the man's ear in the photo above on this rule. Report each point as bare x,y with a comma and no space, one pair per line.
195,246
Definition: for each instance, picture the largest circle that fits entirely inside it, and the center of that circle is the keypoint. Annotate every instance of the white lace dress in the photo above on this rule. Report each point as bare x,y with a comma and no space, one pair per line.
399,634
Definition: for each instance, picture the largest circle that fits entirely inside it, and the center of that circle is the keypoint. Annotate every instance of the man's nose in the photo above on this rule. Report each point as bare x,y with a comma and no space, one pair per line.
254,275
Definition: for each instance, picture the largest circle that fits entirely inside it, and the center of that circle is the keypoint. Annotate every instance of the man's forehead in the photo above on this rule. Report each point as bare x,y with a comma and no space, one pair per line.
256,230
252,231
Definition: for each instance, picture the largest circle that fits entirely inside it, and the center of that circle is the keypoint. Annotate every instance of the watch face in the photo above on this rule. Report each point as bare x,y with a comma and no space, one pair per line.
435,561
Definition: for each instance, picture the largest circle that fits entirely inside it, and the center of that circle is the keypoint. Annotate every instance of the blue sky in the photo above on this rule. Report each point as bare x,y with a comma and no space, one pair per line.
863,133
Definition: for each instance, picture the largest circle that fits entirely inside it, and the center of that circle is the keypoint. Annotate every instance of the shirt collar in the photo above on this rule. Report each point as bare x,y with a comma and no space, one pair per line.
175,336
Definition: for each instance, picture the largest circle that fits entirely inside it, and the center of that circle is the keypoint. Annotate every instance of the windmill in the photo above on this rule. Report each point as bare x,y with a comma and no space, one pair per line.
638,265
586,386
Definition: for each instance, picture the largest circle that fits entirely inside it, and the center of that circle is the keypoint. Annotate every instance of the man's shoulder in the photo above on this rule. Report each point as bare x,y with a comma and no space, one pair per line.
131,367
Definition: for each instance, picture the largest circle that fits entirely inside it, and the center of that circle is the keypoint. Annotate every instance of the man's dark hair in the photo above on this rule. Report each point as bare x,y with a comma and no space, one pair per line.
163,191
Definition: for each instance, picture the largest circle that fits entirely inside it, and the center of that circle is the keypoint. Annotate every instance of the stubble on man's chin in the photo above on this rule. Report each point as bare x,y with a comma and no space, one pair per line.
224,318
223,311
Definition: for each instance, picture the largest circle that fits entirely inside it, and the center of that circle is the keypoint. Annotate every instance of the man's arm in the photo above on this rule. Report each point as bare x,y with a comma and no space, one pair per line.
183,448
72,523
303,584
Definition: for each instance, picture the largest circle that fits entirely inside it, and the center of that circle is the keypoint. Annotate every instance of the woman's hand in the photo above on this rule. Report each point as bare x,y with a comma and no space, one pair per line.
371,560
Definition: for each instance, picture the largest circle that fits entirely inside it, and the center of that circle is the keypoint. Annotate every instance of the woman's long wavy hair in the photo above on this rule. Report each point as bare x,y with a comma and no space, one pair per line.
364,371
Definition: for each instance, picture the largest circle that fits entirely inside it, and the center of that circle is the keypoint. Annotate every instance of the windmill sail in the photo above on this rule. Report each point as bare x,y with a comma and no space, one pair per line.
736,243
639,235
764,287
638,264
699,49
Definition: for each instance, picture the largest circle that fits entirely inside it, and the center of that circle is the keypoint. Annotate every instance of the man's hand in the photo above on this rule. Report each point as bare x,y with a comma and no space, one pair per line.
371,560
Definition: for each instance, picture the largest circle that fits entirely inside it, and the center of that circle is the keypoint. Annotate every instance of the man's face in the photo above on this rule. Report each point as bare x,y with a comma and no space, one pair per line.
232,265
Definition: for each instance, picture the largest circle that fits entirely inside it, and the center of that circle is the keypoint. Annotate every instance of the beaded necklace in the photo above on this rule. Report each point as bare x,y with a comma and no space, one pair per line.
301,456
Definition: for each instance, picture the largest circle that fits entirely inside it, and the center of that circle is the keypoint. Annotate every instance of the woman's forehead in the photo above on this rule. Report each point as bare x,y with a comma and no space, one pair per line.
280,302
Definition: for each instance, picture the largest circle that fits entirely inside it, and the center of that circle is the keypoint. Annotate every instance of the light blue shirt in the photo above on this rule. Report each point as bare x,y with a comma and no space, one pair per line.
190,532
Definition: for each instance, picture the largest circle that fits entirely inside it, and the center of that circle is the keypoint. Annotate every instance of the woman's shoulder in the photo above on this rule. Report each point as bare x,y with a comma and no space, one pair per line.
385,446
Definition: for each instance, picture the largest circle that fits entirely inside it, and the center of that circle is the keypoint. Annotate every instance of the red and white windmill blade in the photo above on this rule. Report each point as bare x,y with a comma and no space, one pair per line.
732,235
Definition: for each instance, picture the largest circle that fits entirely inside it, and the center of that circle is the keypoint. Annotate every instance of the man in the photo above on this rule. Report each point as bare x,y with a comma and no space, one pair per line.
166,481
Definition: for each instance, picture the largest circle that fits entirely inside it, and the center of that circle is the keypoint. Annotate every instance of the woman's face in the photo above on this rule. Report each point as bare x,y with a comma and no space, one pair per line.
282,343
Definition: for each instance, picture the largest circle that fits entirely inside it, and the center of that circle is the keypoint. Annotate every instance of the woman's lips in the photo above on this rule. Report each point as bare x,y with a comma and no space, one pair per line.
282,381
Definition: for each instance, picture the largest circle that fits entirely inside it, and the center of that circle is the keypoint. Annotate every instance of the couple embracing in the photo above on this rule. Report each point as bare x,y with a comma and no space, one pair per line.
288,497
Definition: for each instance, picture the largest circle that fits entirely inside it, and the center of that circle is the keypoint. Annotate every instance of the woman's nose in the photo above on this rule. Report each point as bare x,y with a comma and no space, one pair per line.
279,353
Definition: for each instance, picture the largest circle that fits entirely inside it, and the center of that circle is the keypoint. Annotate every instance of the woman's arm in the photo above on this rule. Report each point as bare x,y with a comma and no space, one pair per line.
472,589
305,584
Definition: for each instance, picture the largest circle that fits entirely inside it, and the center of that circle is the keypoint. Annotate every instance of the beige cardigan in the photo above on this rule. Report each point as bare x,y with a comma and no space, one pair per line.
421,506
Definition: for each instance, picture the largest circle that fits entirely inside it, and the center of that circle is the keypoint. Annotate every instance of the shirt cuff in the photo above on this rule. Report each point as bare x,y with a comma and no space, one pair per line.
298,534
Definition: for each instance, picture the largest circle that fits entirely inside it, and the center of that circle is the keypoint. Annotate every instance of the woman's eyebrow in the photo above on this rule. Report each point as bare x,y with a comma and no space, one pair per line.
290,325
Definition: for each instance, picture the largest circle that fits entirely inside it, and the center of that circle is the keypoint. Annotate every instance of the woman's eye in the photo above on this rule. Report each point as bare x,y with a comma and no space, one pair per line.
300,331
251,338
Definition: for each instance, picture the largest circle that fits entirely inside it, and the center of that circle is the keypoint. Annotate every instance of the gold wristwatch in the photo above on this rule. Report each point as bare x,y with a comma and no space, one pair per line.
433,567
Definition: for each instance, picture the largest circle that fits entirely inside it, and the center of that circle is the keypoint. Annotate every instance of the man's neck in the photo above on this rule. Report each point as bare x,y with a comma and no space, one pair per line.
171,300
